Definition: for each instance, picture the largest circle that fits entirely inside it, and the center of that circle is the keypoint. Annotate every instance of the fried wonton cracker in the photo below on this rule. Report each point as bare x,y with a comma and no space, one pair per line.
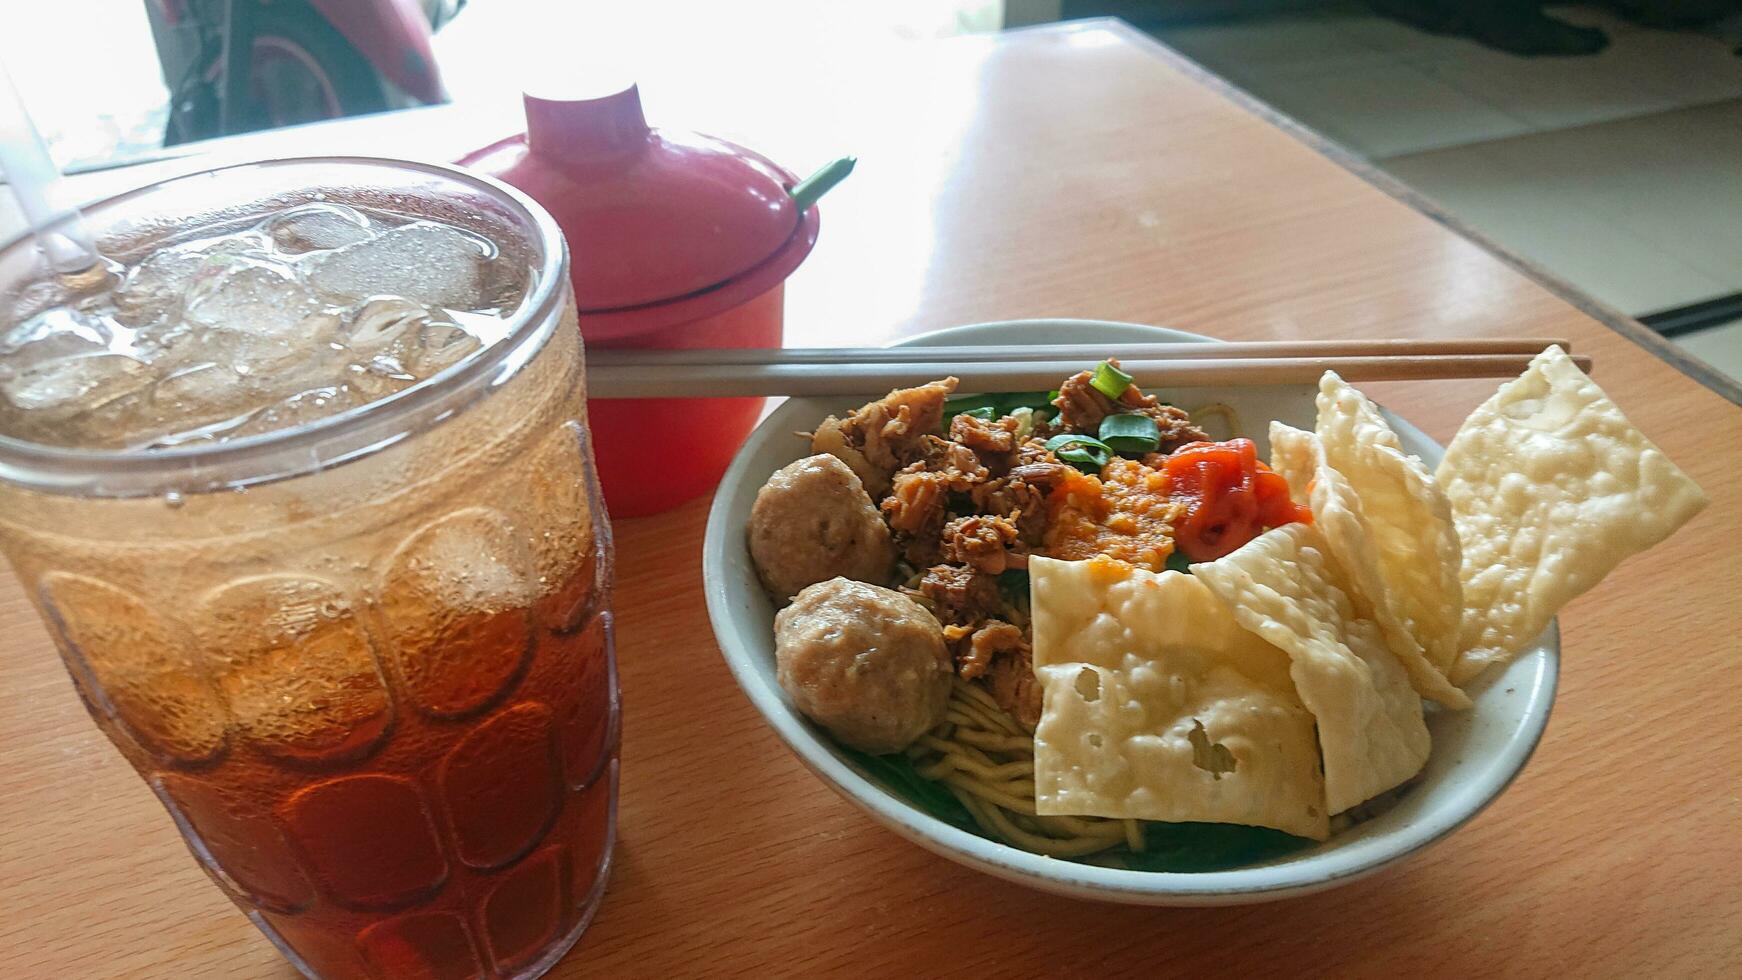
1283,587
1551,487
1341,514
1158,706
1408,517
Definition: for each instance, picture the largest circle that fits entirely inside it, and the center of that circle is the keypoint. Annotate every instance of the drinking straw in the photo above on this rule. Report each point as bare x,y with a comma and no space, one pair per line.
36,183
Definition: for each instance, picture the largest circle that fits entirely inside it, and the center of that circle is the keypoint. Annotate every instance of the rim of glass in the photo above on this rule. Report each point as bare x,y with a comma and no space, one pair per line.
534,312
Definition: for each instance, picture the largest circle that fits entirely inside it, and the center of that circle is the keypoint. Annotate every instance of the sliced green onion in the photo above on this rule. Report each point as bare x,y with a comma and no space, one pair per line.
984,413
1109,380
1130,434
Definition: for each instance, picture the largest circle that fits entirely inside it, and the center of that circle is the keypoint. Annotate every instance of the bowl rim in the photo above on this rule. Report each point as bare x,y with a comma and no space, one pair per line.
1283,877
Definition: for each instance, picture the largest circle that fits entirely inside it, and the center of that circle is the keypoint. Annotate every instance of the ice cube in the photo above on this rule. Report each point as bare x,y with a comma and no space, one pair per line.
377,378
454,609
158,286
439,347
299,409
54,390
296,666
54,334
316,227
383,324
487,327
255,353
253,297
206,392
165,342
431,263
24,301
179,408
160,280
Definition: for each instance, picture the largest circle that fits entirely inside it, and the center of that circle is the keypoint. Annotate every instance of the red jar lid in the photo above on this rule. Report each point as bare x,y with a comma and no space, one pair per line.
652,216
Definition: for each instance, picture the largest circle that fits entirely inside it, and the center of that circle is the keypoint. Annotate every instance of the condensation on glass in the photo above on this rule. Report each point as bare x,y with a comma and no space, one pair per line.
365,661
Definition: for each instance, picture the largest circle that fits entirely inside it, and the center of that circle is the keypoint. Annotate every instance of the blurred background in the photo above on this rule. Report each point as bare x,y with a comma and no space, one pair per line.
1602,142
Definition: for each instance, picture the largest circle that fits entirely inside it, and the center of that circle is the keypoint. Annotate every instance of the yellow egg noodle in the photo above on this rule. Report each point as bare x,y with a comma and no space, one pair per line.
986,760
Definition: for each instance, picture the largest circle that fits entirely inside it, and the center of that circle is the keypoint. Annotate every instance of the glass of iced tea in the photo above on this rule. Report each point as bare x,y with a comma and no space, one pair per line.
299,480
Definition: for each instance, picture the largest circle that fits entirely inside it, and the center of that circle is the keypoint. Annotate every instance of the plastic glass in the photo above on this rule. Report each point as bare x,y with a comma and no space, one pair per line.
367,663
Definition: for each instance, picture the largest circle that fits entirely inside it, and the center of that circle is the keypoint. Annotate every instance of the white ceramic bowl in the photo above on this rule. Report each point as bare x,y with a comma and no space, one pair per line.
1475,753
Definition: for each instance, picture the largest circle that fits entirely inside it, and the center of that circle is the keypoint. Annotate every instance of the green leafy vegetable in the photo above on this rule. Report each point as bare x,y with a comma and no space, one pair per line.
1109,380
1189,847
1208,847
1179,563
1000,405
897,774
1064,439
1130,435
1086,453
963,404
1083,459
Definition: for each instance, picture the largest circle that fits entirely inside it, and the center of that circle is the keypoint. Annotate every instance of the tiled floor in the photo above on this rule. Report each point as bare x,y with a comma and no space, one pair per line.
1643,212
1721,347
1380,108
1620,172
1296,61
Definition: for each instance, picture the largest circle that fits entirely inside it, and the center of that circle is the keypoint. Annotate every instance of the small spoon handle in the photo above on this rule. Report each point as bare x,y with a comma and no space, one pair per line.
806,192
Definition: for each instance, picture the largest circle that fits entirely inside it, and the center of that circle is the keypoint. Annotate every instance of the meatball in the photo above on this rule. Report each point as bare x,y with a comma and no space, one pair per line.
865,662
812,521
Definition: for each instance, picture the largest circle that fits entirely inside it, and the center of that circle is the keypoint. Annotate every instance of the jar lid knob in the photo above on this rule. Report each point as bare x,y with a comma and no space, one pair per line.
586,130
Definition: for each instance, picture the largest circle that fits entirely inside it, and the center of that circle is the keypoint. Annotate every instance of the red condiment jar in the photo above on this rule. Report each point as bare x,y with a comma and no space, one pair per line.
679,240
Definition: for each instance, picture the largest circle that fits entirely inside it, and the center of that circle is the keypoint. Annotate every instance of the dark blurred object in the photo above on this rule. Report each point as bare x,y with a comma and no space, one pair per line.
1148,14
234,66
1517,26
1674,14
1521,26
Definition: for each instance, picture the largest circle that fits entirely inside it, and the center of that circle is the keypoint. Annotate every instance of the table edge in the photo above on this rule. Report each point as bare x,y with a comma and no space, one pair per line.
1641,335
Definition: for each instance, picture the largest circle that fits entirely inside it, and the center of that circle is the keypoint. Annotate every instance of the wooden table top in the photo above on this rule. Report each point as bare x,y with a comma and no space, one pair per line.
1073,171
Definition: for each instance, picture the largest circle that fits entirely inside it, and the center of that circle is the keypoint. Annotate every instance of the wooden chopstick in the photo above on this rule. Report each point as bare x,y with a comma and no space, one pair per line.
1090,354
616,379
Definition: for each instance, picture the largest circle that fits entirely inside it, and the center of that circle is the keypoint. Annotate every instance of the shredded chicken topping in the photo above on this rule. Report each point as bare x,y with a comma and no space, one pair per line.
885,435
984,542
1082,407
969,499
